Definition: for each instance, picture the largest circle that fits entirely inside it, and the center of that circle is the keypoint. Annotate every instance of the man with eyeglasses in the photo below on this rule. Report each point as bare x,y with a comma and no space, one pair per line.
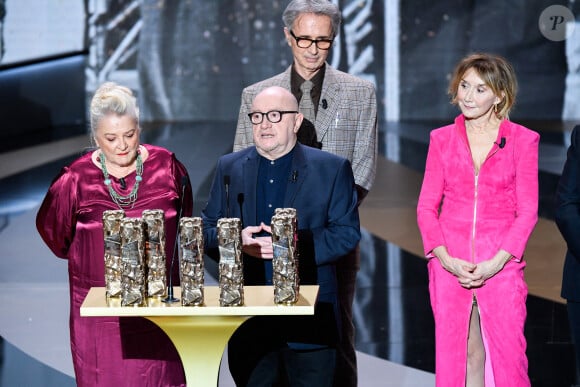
344,117
279,172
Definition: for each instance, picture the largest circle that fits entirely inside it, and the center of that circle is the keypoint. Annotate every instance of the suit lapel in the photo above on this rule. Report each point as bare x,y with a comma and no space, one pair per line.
284,80
331,93
299,173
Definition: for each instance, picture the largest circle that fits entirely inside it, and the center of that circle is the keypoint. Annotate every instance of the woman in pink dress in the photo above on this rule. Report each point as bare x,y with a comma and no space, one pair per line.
477,208
120,174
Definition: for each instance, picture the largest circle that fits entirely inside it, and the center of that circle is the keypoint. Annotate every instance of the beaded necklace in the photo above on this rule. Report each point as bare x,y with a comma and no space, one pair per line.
129,200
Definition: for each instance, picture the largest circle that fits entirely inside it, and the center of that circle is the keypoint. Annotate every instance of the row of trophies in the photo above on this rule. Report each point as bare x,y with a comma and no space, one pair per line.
136,265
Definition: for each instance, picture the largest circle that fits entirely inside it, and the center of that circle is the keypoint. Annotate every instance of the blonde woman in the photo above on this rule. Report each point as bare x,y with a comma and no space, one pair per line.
477,208
122,174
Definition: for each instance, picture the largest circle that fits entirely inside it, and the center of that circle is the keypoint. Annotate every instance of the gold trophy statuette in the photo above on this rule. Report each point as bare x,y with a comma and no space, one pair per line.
191,267
231,274
155,257
285,261
132,262
112,239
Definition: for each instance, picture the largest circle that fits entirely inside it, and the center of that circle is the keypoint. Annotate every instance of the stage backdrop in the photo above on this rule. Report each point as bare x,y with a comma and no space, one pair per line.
195,56
189,60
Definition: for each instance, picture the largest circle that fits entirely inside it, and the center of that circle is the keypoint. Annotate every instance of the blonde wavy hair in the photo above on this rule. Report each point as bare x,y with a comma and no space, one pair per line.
497,73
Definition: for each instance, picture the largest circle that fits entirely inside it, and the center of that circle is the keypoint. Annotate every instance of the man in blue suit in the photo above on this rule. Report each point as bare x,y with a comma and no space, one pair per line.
568,221
278,172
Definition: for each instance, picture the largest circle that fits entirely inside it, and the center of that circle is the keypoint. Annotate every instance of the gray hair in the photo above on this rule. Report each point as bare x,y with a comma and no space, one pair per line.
318,7
111,98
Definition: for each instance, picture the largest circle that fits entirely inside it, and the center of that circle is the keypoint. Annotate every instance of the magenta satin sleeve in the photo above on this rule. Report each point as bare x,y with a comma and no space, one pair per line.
55,219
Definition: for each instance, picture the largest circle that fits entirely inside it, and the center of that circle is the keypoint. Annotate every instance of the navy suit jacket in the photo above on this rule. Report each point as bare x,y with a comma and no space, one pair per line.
568,218
321,189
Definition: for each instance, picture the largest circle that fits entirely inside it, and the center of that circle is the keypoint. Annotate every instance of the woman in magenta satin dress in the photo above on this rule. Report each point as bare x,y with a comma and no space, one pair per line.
477,208
114,351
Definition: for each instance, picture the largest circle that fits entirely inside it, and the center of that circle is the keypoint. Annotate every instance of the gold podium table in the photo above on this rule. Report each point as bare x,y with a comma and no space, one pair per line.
200,333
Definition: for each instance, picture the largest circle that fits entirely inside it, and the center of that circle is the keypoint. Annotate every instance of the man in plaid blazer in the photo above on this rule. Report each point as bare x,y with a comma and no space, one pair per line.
345,123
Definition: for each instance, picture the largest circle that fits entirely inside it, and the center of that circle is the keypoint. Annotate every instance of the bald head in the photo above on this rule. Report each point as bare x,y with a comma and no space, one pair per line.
275,139
283,95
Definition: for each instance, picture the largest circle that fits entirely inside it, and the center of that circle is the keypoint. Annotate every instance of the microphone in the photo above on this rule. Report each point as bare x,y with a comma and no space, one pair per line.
294,176
123,183
501,143
324,103
170,298
227,186
241,203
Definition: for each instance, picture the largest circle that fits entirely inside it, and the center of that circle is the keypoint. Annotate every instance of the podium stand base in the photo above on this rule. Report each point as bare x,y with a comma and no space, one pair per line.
200,342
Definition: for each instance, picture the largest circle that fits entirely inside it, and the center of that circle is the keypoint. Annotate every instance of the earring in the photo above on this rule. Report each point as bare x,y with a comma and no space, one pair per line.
495,108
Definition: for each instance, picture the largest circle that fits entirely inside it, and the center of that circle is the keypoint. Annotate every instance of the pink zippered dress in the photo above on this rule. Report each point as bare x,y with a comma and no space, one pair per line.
474,215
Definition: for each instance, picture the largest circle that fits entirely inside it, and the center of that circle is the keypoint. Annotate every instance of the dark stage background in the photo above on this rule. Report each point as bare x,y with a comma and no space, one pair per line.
195,57
189,60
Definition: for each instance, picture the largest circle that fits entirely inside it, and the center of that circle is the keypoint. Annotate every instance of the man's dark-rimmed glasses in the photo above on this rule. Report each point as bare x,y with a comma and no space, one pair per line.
321,44
274,116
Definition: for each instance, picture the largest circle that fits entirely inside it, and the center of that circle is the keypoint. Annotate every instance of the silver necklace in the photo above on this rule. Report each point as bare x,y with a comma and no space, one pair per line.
120,200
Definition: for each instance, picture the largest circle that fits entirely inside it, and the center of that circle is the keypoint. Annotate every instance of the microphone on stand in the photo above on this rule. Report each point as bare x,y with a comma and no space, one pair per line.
241,204
170,298
227,185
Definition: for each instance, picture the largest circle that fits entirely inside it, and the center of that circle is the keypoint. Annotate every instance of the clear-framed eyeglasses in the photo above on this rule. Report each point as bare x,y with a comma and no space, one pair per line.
274,116
321,44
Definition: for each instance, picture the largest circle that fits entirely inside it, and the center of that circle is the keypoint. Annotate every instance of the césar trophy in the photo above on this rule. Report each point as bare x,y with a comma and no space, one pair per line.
191,267
132,262
285,279
112,239
231,273
155,257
